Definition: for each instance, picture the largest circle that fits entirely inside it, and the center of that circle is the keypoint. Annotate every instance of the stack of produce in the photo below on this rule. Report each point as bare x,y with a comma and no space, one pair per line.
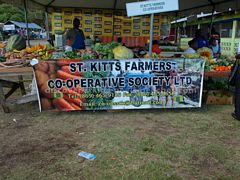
223,63
2,52
2,45
82,54
205,53
40,52
99,51
105,51
121,52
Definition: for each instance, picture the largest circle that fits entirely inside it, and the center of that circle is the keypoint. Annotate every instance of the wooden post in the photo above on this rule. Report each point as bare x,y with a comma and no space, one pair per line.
3,99
21,85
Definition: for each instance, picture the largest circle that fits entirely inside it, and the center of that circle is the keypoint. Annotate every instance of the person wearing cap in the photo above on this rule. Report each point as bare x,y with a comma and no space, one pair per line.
75,36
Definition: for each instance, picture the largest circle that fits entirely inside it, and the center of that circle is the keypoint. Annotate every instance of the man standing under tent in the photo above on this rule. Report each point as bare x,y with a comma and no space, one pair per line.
75,37
201,40
236,114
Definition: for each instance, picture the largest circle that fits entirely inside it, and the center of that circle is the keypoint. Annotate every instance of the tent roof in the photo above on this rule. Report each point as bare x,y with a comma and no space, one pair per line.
185,5
23,24
198,16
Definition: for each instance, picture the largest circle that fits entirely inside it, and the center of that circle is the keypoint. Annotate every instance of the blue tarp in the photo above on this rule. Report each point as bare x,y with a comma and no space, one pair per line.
24,25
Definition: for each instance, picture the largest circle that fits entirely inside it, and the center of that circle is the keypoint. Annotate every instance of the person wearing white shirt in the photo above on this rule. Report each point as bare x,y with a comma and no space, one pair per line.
193,46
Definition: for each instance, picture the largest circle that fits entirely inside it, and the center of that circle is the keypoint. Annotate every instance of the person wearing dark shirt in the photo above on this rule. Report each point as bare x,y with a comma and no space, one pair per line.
75,36
201,40
236,114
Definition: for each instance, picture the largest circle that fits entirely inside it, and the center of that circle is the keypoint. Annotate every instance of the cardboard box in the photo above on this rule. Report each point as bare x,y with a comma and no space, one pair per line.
219,97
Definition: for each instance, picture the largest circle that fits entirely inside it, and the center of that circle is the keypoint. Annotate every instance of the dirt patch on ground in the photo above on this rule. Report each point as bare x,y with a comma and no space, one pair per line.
31,151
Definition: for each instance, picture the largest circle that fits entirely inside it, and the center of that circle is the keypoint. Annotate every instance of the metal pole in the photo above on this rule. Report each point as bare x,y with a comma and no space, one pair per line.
211,24
46,23
113,24
26,21
151,35
175,28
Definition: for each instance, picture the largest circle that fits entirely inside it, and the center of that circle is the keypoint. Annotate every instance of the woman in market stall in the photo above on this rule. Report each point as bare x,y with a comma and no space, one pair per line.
75,36
215,47
236,114
215,35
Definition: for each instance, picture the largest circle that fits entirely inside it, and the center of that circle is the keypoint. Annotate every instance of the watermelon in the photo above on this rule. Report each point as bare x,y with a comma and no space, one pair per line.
16,42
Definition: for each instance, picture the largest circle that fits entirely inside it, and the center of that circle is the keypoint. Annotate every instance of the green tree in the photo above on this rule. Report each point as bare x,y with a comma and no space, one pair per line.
9,12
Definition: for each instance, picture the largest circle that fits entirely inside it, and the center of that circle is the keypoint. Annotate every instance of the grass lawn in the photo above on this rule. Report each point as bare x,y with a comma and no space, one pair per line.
142,144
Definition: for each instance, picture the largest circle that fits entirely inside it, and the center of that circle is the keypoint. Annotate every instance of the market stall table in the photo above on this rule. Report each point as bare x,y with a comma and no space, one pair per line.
5,74
212,100
217,74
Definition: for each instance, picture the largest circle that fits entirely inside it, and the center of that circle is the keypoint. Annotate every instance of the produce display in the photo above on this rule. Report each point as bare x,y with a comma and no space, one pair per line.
54,64
223,63
99,51
121,52
2,45
17,50
105,51
205,53
41,52
16,42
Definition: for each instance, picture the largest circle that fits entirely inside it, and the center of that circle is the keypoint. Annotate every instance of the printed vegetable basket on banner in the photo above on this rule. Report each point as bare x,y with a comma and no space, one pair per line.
69,85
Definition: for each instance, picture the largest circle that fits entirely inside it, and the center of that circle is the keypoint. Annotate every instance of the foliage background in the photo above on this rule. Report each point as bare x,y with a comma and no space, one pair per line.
10,12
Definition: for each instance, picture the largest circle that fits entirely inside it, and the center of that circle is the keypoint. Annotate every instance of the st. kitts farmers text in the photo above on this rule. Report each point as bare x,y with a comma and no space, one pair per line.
128,66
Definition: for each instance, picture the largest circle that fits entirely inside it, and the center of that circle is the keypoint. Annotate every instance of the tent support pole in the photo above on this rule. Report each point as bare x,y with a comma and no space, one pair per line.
46,24
26,21
211,24
113,24
151,35
175,26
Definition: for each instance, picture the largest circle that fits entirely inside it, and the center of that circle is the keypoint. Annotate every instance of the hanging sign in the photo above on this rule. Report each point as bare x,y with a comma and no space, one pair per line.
151,7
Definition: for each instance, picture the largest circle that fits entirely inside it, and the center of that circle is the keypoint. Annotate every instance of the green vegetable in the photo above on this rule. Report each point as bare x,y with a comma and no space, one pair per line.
105,50
2,59
121,52
16,42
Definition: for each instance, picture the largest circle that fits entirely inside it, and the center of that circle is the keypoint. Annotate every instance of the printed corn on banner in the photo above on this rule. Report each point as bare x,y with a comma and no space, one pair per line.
68,85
